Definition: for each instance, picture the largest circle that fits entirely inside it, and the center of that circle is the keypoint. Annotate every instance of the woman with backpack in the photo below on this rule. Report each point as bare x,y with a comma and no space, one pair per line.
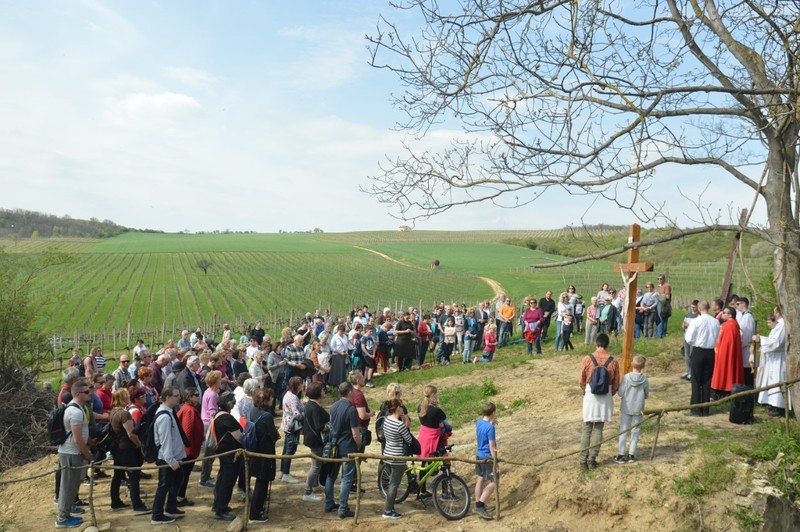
227,434
127,454
262,469
315,420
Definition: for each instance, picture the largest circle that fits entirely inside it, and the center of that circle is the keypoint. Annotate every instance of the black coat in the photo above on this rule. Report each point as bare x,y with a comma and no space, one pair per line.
267,435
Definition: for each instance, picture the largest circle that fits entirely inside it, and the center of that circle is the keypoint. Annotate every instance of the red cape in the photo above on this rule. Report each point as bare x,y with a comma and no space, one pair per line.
728,363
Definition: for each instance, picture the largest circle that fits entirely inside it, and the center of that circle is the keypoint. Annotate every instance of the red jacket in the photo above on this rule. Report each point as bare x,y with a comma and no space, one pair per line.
192,426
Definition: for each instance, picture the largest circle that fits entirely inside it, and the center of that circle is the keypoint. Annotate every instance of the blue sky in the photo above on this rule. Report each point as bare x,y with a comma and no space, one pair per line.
248,115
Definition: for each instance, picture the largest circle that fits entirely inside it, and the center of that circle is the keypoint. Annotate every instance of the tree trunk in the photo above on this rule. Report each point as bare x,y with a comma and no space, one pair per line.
784,227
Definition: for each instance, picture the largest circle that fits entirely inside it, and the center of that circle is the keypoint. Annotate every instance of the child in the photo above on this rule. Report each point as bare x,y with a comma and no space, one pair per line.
633,391
566,332
487,449
489,344
449,340
579,314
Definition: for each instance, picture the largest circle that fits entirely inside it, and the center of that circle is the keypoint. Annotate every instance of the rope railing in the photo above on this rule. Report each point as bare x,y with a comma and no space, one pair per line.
358,458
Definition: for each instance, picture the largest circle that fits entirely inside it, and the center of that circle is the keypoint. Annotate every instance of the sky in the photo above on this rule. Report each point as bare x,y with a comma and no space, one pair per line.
243,115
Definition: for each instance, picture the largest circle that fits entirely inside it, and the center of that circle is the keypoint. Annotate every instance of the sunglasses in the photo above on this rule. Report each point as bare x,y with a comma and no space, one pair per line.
124,361
195,395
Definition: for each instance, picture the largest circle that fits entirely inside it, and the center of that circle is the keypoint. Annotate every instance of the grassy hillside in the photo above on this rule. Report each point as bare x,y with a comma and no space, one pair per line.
152,281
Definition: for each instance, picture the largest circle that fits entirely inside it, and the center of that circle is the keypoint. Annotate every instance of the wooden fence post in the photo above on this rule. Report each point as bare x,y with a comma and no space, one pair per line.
358,490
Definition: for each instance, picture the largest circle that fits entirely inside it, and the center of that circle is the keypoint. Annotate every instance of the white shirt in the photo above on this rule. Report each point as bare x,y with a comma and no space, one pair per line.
339,344
702,332
747,326
776,341
250,352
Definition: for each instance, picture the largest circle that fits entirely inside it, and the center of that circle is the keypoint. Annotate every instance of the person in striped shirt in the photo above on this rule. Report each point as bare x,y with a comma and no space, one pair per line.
396,433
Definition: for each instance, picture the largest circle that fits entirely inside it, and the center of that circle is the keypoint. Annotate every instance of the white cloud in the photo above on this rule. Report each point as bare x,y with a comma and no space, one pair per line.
194,77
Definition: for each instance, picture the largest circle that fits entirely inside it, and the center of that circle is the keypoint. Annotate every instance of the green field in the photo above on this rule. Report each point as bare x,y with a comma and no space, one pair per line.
151,282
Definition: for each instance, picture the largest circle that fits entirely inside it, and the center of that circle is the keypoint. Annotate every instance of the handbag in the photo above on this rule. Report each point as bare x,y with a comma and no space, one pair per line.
330,450
366,437
412,449
296,424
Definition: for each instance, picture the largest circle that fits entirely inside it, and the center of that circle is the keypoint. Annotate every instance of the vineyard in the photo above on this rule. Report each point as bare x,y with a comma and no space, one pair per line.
151,284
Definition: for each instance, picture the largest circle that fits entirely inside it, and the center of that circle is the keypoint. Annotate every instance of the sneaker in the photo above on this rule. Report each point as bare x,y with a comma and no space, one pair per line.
483,512
369,384
141,510
312,497
207,484
184,502
631,459
425,495
68,522
391,515
76,511
346,514
289,479
332,508
79,503
620,459
260,519
117,506
592,464
227,516
162,520
175,513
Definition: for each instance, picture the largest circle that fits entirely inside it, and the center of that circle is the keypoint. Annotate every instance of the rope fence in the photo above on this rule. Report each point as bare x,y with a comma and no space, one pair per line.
359,458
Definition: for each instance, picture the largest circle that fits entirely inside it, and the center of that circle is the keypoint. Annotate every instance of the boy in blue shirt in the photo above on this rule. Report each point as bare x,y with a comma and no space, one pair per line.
487,449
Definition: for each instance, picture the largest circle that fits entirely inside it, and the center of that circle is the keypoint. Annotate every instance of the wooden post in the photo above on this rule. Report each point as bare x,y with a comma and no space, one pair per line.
114,339
246,486
632,269
495,474
91,473
726,281
129,336
358,490
655,440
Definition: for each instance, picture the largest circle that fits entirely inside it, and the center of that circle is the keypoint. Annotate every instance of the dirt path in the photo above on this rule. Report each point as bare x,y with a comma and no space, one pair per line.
545,423
496,287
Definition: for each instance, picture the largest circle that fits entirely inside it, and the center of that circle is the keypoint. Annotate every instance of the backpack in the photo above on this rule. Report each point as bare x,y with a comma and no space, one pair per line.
601,379
55,424
379,421
149,447
249,439
107,440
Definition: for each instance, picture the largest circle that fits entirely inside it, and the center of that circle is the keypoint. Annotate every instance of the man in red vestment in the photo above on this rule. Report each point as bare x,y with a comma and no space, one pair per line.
728,369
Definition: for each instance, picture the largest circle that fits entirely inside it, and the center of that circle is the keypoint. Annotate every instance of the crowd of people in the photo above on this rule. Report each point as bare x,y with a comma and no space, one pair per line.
212,390
203,395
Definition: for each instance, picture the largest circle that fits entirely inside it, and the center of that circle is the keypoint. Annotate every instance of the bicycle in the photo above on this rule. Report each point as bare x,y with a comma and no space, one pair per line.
450,493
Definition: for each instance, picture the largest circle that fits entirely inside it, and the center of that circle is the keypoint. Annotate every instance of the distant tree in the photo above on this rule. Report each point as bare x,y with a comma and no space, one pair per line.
204,264
318,230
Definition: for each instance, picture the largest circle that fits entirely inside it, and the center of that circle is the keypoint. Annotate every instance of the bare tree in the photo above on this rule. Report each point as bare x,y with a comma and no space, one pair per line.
603,98
204,264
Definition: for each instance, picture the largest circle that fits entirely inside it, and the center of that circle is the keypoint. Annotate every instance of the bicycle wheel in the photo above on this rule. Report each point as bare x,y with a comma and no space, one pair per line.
451,496
385,475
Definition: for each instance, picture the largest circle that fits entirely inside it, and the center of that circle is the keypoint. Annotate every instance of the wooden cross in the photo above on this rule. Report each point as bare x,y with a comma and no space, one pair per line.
632,269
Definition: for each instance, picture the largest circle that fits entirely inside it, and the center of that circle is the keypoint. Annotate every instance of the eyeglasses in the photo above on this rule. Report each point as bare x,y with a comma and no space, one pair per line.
195,395
124,361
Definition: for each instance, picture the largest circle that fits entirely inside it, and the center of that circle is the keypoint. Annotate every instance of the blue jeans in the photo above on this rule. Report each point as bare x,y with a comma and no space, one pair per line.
559,339
348,473
169,481
469,344
504,326
290,441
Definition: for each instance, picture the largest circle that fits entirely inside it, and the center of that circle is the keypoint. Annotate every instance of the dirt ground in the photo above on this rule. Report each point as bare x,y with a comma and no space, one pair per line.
555,496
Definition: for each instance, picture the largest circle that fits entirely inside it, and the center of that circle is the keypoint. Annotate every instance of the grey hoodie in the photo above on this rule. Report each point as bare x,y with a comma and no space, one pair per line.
633,391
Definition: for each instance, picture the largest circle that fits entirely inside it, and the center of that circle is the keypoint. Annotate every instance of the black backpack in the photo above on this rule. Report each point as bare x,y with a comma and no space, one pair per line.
55,424
601,379
149,447
107,440
379,421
